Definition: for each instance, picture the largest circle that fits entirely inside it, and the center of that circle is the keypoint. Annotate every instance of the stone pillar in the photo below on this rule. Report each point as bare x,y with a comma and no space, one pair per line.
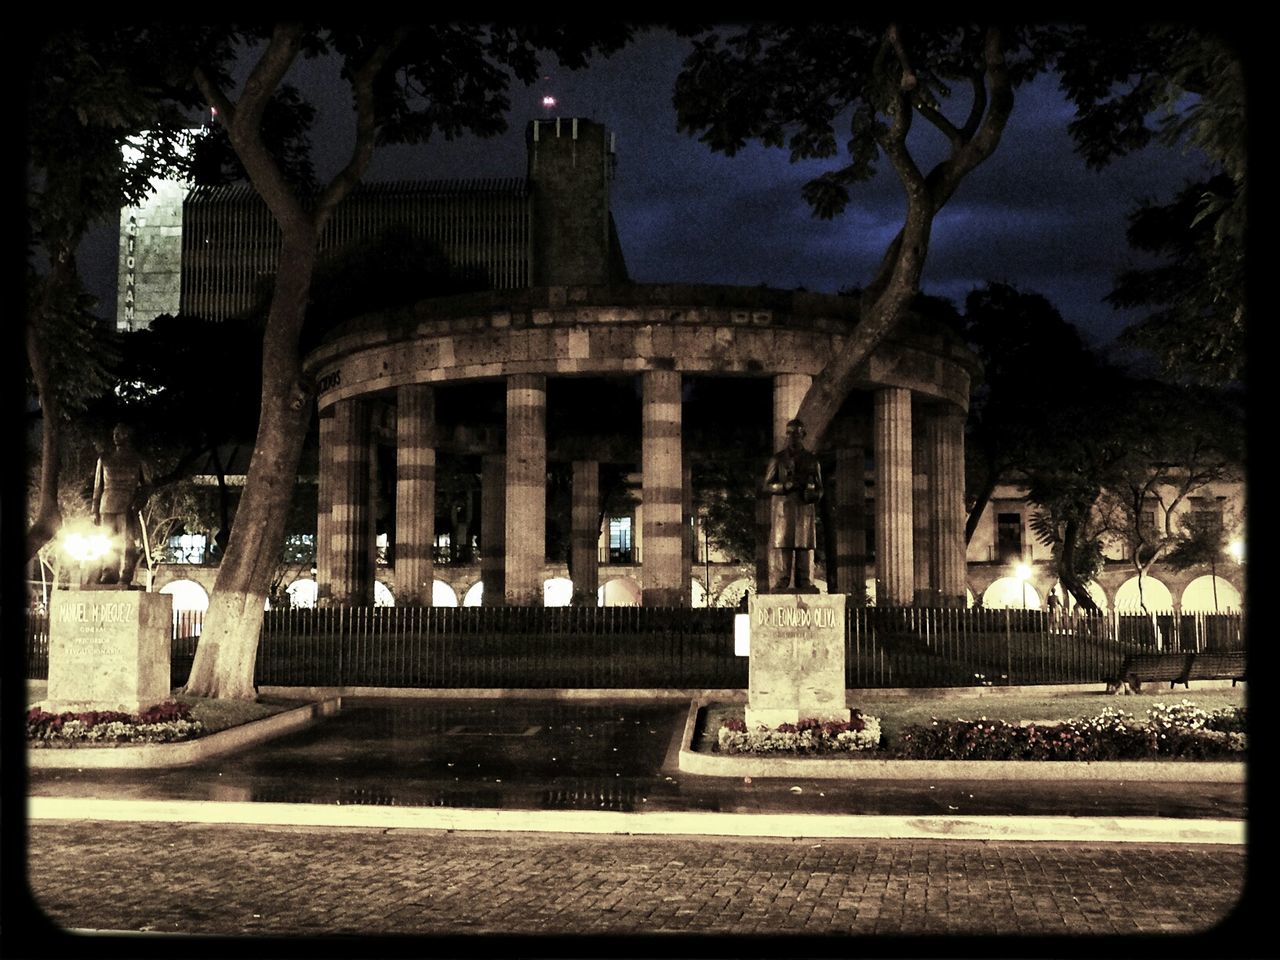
493,529
894,522
584,557
351,528
848,492
923,594
415,494
662,491
945,437
324,508
788,392
526,540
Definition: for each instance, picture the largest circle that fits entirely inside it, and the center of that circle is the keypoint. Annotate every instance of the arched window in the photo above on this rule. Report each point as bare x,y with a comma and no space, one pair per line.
618,592
442,594
557,592
1155,593
1011,593
1210,594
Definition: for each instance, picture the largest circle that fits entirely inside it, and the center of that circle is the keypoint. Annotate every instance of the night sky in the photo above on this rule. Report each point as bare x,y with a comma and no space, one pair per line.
1031,215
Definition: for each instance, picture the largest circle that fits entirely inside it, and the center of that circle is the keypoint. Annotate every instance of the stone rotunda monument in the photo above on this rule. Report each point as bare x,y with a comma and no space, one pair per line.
383,379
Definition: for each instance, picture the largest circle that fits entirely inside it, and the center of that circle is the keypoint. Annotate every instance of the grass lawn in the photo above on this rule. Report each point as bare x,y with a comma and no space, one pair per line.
896,712
214,714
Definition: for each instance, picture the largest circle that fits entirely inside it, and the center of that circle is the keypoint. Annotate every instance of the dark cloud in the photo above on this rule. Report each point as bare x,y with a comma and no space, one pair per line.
1032,214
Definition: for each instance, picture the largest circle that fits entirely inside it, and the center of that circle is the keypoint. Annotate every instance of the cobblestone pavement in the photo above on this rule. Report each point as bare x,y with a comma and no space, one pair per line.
230,880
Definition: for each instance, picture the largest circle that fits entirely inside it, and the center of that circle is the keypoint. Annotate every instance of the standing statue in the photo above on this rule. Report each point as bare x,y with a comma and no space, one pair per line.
794,480
121,482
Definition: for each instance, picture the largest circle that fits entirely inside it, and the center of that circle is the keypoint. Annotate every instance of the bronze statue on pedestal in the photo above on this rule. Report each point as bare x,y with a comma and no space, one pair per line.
121,484
794,481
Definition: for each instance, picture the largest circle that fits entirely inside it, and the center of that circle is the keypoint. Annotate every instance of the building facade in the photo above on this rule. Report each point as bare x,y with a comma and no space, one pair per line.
502,376
1009,567
383,378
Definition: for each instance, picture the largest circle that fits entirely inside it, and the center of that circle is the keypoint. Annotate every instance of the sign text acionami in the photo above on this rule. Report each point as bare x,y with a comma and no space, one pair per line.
796,617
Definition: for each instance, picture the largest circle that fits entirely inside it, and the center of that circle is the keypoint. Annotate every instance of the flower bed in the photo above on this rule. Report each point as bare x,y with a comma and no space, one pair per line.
163,723
1180,730
806,737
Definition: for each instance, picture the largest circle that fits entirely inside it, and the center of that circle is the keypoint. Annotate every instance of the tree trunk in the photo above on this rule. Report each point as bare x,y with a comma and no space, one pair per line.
1066,569
48,514
228,647
979,506
829,388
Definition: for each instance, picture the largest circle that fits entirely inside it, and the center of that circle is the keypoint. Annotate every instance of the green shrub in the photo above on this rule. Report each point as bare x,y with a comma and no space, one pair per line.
1180,731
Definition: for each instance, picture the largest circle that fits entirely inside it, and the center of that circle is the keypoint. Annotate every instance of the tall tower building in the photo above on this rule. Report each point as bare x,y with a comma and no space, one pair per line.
571,163
149,278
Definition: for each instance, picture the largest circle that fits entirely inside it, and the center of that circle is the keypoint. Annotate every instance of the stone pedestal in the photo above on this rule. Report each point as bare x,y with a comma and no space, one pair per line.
108,650
796,666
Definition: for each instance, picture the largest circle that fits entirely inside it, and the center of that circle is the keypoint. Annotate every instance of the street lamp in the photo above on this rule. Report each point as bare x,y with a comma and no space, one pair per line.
85,544
1236,549
1023,572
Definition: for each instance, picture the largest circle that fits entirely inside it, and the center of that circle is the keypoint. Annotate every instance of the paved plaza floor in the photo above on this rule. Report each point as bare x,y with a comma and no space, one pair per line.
171,876
222,880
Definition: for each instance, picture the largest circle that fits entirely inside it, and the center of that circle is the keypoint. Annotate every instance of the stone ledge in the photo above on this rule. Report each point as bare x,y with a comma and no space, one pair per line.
691,823
511,693
145,756
861,768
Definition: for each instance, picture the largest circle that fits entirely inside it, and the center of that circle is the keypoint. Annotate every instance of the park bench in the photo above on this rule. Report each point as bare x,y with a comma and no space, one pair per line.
1218,666
1156,667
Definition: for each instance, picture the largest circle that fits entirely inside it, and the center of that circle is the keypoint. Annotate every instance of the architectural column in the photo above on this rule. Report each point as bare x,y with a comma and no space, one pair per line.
324,509
788,392
921,541
526,539
662,490
584,556
415,494
493,529
894,554
350,535
848,492
945,437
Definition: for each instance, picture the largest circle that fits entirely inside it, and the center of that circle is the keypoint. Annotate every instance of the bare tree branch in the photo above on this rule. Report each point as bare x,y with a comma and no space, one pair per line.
366,126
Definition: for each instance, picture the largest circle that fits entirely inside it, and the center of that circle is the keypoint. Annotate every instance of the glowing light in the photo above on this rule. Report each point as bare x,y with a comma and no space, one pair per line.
85,544
1236,549
1022,571
548,101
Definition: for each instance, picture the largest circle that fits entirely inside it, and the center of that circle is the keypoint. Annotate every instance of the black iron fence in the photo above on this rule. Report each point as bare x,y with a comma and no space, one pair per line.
640,647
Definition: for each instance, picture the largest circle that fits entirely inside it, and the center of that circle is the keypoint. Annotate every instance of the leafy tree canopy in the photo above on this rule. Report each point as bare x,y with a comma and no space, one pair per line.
91,92
1183,86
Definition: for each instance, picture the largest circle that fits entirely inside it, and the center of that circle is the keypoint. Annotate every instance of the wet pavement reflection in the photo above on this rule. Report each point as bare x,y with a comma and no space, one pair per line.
565,755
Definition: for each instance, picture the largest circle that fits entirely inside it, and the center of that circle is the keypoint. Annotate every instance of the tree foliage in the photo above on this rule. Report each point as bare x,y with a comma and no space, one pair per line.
1171,442
1183,86
817,88
1197,295
406,83
91,91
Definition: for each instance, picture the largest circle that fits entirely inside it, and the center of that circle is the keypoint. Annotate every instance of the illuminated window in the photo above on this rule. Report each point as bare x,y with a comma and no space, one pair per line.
187,548
300,548
620,540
